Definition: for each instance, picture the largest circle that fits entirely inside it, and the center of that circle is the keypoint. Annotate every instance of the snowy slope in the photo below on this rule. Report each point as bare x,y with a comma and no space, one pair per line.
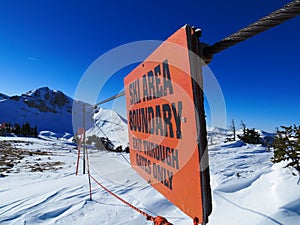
216,135
247,189
110,124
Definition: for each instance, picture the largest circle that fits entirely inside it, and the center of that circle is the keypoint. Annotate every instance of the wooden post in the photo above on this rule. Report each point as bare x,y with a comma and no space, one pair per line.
83,124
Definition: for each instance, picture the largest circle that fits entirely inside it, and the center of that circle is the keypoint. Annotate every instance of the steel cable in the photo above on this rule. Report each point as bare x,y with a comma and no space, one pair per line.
275,18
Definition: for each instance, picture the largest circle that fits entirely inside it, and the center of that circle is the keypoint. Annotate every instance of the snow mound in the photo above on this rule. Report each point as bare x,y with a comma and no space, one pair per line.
51,135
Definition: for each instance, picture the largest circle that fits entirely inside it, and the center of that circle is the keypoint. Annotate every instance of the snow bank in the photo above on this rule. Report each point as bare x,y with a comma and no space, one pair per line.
247,189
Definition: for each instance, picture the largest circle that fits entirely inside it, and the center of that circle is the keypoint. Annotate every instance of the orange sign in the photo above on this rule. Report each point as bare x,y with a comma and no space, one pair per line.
167,131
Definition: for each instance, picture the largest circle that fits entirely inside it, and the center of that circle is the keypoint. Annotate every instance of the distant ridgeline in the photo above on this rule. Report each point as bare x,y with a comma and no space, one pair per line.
50,110
24,129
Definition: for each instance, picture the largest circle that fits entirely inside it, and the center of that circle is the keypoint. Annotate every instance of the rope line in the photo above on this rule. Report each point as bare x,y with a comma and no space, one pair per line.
157,220
275,18
116,183
112,181
125,159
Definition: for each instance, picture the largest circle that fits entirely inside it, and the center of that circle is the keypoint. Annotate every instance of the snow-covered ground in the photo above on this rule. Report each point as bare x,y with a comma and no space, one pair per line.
247,188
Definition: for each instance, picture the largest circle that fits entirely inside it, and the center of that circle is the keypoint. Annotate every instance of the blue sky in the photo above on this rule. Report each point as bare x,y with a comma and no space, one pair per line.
52,43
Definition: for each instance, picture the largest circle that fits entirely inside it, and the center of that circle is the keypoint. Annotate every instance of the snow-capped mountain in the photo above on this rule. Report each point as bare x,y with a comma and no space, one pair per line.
48,109
3,97
52,110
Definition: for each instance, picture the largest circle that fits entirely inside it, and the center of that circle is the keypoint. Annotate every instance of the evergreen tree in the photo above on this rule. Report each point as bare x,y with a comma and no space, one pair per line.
119,149
287,146
26,129
127,150
35,131
17,129
2,128
250,136
8,127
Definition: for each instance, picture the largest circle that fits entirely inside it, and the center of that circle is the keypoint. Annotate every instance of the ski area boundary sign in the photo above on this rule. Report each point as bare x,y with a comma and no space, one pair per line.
166,123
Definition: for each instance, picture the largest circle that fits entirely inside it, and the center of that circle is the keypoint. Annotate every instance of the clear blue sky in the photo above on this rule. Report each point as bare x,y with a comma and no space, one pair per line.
52,43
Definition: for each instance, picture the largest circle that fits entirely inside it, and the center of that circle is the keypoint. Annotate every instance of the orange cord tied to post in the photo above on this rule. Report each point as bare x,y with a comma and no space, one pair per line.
157,220
161,221
196,221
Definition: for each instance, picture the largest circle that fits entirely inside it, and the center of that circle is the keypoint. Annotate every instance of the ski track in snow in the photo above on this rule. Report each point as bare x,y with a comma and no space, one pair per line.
246,187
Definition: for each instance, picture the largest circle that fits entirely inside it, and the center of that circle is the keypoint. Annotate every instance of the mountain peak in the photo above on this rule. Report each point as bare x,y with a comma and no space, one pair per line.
48,109
44,95
3,96
42,91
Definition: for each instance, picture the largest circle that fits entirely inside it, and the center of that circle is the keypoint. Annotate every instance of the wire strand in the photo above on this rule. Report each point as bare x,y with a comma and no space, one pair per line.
111,98
275,18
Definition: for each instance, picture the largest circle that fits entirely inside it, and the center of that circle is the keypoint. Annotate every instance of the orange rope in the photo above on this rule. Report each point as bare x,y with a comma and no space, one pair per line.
157,220
196,221
161,221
